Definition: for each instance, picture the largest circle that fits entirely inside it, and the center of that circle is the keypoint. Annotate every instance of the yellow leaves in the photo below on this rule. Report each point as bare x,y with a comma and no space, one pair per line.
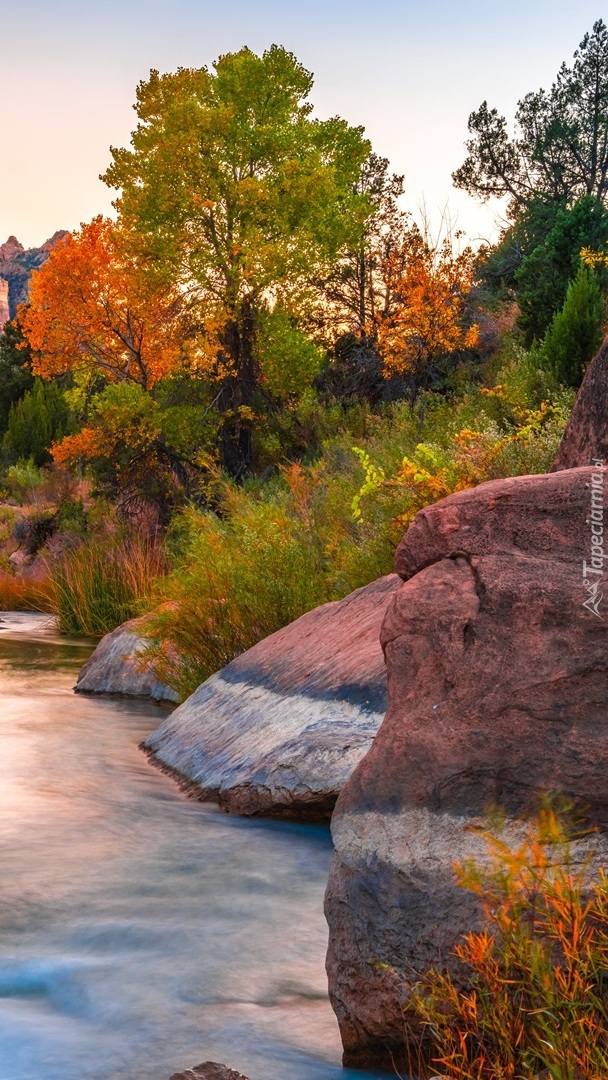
594,258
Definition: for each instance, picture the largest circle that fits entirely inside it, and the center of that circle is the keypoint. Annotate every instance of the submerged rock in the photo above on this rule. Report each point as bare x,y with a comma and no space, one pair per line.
281,728
498,689
209,1070
116,667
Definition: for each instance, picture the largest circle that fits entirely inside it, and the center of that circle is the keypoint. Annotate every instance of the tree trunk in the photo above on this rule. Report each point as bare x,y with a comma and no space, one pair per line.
237,393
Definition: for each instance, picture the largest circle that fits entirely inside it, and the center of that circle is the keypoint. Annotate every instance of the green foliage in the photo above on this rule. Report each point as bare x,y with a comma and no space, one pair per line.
103,582
548,268
577,331
232,192
532,998
15,373
287,357
25,480
278,547
35,422
243,576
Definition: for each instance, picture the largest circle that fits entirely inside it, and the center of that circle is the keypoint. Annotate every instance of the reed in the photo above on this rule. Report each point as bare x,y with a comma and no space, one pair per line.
104,582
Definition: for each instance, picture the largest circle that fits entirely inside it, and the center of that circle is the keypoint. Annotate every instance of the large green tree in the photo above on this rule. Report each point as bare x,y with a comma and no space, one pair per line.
235,192
560,148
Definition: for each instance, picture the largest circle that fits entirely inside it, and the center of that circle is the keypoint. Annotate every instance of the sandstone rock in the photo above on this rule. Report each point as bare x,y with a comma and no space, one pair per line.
114,668
4,308
498,688
17,263
586,434
209,1070
280,729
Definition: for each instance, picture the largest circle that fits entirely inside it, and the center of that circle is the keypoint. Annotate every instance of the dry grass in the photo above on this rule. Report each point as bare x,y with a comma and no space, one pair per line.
23,594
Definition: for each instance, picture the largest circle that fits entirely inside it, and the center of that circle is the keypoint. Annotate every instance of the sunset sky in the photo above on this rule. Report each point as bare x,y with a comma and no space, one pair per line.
409,72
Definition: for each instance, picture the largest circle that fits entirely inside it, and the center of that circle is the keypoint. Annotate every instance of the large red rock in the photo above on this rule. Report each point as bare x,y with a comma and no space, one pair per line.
281,728
586,434
498,689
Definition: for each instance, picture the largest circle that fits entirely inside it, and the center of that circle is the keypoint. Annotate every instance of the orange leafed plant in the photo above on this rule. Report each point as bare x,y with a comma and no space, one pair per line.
93,306
428,287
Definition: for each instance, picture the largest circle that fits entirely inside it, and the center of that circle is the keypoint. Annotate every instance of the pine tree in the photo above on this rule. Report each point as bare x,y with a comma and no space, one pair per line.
576,332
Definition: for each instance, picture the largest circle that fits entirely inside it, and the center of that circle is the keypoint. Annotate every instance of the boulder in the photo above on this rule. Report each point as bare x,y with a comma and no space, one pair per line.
586,434
281,728
497,660
115,667
209,1070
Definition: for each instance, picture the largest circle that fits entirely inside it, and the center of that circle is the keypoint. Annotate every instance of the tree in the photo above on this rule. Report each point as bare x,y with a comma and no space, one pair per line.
560,149
546,271
35,422
15,369
240,198
425,316
356,289
96,307
576,332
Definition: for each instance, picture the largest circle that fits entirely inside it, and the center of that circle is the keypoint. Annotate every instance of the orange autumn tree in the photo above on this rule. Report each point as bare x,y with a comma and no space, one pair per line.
424,320
105,318
95,308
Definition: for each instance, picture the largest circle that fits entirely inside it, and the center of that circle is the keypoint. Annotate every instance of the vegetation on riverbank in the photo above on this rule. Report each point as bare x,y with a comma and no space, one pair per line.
536,1003
230,402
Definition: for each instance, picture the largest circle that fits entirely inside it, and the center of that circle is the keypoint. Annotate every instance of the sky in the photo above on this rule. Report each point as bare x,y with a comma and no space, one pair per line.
410,73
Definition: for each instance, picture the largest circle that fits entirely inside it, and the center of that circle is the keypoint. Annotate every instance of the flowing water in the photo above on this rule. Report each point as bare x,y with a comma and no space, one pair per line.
141,931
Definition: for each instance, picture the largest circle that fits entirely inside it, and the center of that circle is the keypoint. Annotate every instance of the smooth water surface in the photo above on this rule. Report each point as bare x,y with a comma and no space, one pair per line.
141,931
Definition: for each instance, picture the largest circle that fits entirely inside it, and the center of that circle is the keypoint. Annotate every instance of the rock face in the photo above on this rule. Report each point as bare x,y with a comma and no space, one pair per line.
498,688
114,669
4,308
586,434
209,1070
17,263
280,729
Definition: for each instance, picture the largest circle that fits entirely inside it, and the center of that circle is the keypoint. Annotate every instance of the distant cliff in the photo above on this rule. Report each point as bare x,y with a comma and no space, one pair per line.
16,265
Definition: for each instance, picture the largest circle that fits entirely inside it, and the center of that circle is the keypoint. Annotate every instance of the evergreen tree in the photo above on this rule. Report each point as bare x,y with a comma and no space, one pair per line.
576,332
15,371
38,419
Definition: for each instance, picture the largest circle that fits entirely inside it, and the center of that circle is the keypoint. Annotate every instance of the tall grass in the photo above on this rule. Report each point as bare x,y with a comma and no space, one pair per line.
104,582
24,594
536,1003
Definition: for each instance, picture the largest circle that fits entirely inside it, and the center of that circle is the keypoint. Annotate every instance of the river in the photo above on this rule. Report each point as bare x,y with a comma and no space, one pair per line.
142,932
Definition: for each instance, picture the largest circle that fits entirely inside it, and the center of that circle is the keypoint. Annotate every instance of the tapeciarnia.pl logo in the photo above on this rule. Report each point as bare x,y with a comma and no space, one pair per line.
593,572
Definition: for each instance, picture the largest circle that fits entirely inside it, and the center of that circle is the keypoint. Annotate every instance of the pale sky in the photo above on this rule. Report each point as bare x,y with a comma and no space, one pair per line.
410,73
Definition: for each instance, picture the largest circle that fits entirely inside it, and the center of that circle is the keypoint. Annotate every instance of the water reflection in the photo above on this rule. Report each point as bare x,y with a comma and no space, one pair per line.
139,931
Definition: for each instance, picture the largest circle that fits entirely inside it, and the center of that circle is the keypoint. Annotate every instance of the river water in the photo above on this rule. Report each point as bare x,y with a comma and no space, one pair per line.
141,931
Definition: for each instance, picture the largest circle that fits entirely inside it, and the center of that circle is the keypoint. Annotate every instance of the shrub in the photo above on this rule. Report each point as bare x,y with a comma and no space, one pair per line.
536,1002
241,576
104,582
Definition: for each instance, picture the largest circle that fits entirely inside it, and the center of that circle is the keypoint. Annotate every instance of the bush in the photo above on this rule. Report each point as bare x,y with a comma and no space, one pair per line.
536,1001
240,578
104,582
